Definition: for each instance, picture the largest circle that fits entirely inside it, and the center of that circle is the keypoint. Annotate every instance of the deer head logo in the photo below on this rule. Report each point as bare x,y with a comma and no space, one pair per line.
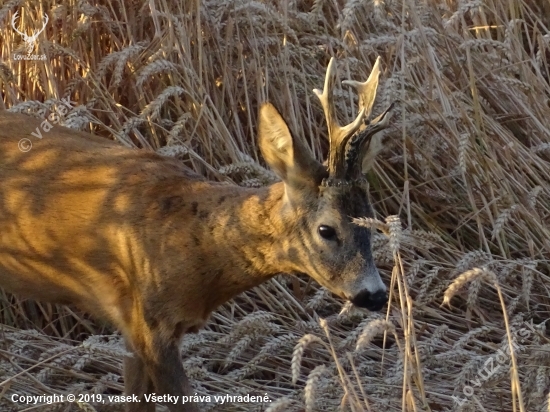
30,41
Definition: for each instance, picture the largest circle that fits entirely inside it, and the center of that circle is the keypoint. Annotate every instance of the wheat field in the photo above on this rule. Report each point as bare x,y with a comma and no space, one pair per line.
461,193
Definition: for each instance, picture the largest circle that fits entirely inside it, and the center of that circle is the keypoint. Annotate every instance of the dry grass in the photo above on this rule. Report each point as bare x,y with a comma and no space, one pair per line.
467,170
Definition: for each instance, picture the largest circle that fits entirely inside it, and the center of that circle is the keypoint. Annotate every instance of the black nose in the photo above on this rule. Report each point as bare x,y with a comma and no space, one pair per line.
371,301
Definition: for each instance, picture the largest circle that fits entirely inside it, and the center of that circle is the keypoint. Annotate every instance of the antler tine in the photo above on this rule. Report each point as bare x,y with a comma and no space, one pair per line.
367,89
361,148
338,135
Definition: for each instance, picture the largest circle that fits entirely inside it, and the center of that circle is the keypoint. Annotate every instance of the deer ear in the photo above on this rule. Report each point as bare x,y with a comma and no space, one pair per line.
275,141
374,136
287,156
375,147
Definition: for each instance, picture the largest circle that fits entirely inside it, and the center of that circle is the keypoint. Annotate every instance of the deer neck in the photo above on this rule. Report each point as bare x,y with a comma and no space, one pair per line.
253,232
247,238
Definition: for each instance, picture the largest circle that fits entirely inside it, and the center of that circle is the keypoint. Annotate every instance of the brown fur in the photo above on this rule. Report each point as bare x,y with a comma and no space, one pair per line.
138,239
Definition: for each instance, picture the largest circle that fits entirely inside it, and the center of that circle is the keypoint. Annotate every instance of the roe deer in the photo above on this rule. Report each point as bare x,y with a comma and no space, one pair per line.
139,240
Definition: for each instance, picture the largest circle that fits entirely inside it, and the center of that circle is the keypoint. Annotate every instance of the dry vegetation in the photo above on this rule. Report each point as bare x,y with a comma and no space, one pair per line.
467,170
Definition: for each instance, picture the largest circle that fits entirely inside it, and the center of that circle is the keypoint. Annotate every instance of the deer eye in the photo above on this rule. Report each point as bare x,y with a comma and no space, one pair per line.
327,232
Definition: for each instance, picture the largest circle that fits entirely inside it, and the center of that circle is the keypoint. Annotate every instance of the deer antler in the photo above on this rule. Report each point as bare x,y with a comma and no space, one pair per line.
366,90
346,164
15,16
338,135
362,141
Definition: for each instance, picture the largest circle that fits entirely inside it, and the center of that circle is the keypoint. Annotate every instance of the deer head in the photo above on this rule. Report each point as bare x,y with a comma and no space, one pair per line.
29,40
320,202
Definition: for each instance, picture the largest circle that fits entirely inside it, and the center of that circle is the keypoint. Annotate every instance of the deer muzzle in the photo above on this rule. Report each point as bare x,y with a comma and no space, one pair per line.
371,301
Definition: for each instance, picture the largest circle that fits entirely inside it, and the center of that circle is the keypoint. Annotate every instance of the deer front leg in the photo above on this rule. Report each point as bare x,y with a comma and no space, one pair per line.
157,368
137,382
